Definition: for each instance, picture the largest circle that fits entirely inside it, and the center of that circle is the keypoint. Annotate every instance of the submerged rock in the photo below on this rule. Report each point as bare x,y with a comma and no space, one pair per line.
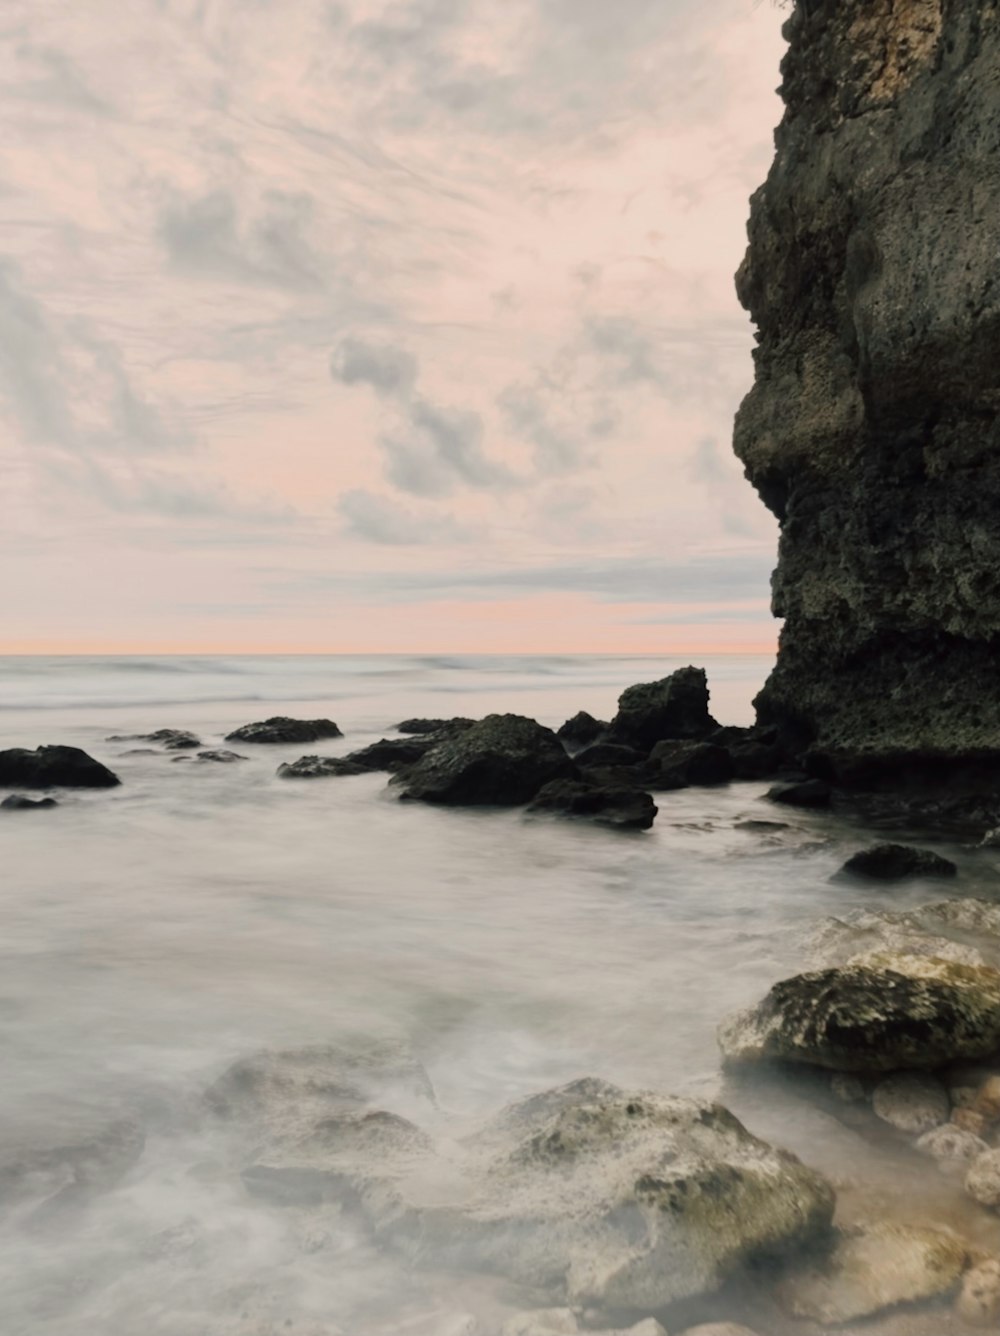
674,707
393,753
912,1102
220,755
890,1013
66,1154
319,767
802,793
53,767
416,727
894,862
17,802
502,761
171,739
581,731
874,1267
282,729
621,808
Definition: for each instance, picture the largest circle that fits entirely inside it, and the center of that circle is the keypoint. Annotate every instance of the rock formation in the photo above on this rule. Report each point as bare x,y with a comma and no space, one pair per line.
871,431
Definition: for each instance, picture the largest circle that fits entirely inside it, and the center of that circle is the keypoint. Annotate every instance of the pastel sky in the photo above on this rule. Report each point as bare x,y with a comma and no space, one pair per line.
379,324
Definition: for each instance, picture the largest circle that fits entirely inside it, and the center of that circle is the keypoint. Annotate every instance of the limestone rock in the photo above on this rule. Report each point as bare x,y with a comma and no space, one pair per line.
894,862
871,428
983,1179
978,1302
674,707
53,767
503,761
951,1145
911,1102
891,1013
618,807
874,1267
281,729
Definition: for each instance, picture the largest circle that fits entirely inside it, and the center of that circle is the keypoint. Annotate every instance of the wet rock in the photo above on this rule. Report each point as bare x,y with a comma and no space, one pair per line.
912,1102
874,1267
171,739
950,1145
815,793
894,862
393,753
66,1155
983,1179
756,752
978,1302
319,767
620,808
53,767
420,726
890,1013
281,729
17,802
608,753
676,765
860,933
220,755
626,1201
674,707
581,731
502,761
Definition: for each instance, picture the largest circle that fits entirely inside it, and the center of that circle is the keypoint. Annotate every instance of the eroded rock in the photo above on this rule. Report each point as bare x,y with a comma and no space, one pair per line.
281,729
673,707
416,727
978,1302
895,862
983,1179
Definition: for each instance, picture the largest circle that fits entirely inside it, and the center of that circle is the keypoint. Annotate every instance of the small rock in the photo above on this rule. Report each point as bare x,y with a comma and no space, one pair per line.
53,767
978,1302
894,862
764,828
950,1144
318,767
221,755
416,727
17,802
873,1267
803,793
171,739
280,729
983,1179
620,808
581,731
911,1102
987,1100
850,1089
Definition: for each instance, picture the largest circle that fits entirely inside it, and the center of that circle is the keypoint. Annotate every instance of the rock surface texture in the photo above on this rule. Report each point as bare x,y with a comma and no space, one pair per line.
872,431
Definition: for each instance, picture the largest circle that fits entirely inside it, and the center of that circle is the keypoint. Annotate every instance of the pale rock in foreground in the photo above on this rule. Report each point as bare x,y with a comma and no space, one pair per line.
874,1267
978,1302
951,1145
983,1178
890,1013
911,1102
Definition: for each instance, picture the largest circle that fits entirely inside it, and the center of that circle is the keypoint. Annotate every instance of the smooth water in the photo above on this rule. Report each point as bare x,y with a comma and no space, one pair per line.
153,933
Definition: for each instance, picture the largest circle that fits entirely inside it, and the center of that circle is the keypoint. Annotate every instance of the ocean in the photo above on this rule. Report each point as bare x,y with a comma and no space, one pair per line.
154,933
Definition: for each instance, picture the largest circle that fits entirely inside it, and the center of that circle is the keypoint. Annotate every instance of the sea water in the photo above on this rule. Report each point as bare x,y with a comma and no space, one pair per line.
155,932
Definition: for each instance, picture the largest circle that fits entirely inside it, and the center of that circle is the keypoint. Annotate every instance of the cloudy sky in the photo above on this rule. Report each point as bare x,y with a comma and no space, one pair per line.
379,324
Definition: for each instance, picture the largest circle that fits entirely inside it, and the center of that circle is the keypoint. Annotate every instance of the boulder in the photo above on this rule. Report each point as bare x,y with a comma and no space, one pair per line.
17,802
171,739
502,761
756,752
873,1267
802,793
859,933
676,765
889,1013
951,1145
417,727
319,767
894,862
912,1102
281,729
983,1179
53,767
978,1302
673,707
621,808
583,730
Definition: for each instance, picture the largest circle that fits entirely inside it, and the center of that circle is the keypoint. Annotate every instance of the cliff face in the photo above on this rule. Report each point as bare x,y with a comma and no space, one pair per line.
873,276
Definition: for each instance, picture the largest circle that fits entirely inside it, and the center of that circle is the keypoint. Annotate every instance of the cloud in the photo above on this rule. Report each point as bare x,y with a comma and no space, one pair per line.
377,519
388,370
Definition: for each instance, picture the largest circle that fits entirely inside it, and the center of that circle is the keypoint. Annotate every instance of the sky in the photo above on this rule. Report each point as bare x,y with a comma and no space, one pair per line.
379,325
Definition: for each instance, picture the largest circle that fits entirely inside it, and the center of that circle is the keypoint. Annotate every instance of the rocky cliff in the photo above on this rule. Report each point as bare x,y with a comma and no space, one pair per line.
873,277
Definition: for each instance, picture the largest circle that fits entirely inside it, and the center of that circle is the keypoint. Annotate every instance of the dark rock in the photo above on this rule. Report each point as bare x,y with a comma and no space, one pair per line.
320,767
419,726
893,862
221,756
872,431
580,731
501,761
675,765
393,753
17,802
171,739
282,729
888,1012
804,793
763,827
54,767
621,808
757,753
608,753
674,707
